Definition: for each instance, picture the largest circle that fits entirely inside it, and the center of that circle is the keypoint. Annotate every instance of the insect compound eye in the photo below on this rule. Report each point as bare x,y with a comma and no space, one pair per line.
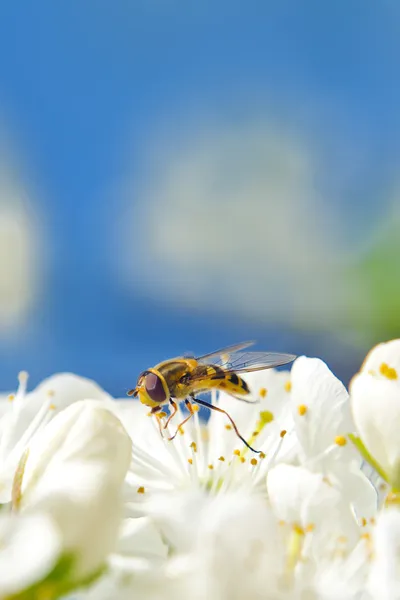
155,388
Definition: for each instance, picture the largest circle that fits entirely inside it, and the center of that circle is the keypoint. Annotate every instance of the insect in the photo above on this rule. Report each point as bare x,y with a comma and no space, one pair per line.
182,379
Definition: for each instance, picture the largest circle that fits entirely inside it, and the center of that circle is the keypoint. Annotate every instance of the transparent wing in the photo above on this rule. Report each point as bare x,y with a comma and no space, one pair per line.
245,362
223,351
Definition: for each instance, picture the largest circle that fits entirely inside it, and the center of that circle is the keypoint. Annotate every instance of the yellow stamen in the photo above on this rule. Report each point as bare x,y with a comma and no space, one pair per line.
242,459
283,433
302,409
263,392
236,452
52,407
228,427
211,467
11,397
254,462
372,521
387,371
363,522
190,461
288,386
193,445
340,440
140,490
310,527
262,455
195,407
222,458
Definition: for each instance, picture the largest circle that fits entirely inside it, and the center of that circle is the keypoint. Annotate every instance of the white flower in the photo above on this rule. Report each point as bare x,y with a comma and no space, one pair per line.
208,457
23,415
375,400
73,472
29,549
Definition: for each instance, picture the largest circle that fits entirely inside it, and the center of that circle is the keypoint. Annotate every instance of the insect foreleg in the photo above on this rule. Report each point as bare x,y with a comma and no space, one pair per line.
191,413
174,411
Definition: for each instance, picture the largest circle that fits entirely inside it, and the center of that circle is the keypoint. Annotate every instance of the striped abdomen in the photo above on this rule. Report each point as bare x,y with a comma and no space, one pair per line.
208,377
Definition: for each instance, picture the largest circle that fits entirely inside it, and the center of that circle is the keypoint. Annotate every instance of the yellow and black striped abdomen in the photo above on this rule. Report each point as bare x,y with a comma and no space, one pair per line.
208,377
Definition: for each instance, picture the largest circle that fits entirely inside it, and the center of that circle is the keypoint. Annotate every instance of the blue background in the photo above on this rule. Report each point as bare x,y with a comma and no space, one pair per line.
85,83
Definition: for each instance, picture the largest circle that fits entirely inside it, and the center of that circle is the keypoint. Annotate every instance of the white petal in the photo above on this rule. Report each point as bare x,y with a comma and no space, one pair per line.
29,549
61,390
384,582
383,361
83,431
376,410
139,537
320,405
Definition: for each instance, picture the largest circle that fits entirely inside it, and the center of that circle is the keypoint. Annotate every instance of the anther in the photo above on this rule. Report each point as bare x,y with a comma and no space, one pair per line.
288,386
283,433
190,461
262,455
254,462
363,522
140,490
236,452
193,445
211,467
222,458
228,427
387,371
262,392
340,440
302,409
266,416
242,459
11,397
195,407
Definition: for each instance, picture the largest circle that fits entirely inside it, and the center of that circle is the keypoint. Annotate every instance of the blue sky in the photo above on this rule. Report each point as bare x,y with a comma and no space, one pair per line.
84,85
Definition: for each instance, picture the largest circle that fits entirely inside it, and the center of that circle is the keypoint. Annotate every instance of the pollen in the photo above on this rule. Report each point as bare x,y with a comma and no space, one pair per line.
283,433
363,522
236,452
222,458
140,490
193,445
11,397
242,459
262,455
228,427
211,467
195,407
181,430
387,371
254,462
266,416
190,461
302,409
263,392
288,386
340,440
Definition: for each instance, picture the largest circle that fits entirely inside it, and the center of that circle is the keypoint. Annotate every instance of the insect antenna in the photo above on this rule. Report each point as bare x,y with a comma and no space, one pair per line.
216,408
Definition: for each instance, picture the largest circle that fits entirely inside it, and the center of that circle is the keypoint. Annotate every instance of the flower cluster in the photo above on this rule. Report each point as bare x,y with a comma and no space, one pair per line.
97,504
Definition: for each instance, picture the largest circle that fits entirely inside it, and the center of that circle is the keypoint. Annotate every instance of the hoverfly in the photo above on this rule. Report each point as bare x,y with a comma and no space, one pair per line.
181,379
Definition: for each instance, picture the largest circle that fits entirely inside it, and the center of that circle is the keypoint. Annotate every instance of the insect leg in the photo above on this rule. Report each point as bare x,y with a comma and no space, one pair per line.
216,408
175,410
159,415
191,413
